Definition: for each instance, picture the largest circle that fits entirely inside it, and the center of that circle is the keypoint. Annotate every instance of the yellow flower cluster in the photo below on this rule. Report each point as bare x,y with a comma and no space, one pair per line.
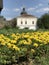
35,44
4,40
34,39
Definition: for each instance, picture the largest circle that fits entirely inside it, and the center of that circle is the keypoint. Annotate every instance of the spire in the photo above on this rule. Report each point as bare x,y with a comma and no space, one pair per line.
23,9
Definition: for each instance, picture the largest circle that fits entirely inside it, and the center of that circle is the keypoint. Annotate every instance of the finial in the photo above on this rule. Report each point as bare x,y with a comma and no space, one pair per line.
23,8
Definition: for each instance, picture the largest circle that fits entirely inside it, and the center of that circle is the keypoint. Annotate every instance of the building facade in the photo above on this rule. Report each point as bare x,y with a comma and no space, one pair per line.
26,21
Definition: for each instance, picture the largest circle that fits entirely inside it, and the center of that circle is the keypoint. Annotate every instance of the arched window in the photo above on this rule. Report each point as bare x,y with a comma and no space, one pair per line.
32,22
21,22
25,22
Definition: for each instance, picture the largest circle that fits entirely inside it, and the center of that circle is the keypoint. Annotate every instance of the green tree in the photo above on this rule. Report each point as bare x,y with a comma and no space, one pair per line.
43,21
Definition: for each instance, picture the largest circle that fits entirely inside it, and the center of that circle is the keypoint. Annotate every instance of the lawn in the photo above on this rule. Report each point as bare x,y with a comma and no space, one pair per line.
24,47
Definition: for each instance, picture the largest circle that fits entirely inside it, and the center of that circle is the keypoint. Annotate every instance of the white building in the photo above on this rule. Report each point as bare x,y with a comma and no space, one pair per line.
26,21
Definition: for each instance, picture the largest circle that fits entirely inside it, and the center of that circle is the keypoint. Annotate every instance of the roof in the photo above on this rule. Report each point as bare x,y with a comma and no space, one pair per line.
27,15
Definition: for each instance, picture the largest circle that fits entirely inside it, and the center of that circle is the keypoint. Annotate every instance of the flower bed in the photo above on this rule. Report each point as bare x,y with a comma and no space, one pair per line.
13,46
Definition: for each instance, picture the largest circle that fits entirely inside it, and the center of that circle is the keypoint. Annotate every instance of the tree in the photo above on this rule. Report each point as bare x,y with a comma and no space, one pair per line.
43,21
39,23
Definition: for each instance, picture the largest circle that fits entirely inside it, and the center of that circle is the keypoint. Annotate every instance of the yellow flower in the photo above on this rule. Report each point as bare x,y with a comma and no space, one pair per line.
26,36
25,42
29,40
32,50
13,35
7,39
16,48
45,42
2,35
13,41
35,45
9,45
2,43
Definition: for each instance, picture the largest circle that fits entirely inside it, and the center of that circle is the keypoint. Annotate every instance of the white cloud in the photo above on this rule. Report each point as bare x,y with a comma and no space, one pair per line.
16,9
39,10
46,9
39,5
5,9
31,9
34,8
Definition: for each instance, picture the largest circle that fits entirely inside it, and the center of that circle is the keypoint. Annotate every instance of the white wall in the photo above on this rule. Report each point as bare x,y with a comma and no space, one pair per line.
29,22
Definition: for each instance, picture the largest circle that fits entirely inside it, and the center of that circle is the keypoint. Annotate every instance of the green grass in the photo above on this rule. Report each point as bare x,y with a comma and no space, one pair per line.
15,30
42,60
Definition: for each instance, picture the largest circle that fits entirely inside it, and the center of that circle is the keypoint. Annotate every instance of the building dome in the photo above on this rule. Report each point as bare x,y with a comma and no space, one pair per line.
23,12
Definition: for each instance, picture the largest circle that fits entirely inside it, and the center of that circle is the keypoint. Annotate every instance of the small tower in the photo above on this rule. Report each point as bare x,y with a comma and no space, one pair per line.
1,5
23,11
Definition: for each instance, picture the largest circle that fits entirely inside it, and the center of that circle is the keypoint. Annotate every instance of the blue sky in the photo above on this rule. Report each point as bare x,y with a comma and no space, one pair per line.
12,8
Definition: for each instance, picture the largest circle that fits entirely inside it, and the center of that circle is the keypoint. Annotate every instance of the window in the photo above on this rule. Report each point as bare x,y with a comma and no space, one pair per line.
32,22
25,22
21,22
